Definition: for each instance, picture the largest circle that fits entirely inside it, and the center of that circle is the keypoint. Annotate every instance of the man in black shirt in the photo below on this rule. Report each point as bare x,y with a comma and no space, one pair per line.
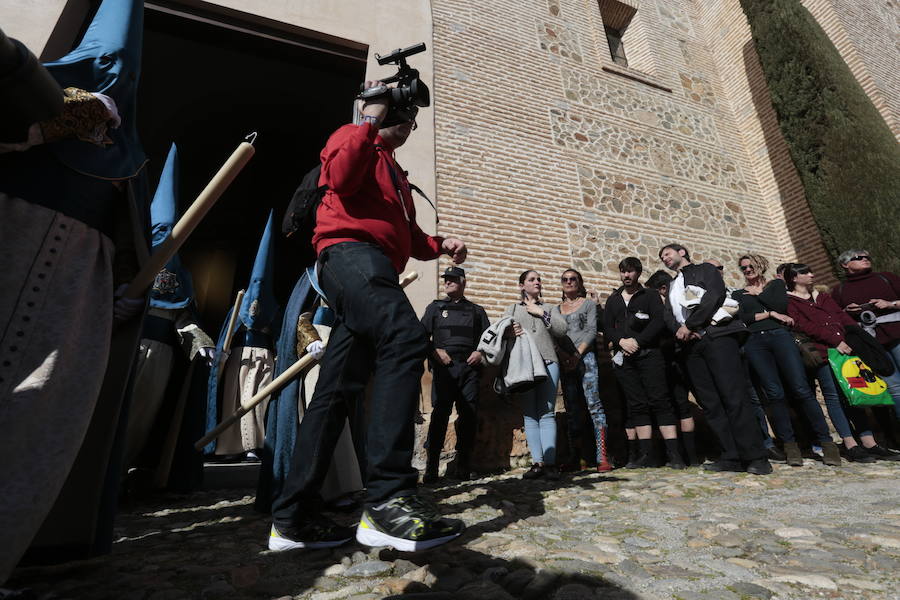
454,326
712,357
634,323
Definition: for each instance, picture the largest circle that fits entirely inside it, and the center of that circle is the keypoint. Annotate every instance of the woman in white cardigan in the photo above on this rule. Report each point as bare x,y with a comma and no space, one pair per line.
538,404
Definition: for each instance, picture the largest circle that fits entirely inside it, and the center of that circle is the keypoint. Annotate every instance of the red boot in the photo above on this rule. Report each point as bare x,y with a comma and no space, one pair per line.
603,464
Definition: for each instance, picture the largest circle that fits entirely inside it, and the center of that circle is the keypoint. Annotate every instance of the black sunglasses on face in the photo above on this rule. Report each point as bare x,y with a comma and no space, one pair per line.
861,257
745,267
570,280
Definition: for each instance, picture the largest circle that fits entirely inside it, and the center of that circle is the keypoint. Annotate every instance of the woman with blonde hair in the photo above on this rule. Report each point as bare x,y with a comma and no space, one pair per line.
775,359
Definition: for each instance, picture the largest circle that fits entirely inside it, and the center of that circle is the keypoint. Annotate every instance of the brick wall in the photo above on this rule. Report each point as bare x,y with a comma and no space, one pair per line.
867,34
549,155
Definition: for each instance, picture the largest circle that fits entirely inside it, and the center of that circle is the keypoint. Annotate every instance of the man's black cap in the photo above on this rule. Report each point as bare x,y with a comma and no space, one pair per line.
454,272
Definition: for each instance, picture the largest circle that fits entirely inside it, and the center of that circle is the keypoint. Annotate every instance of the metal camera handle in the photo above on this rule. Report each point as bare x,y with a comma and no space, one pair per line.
374,92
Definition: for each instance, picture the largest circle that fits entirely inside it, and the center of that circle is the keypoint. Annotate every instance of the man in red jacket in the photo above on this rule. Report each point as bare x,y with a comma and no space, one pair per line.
365,233
873,299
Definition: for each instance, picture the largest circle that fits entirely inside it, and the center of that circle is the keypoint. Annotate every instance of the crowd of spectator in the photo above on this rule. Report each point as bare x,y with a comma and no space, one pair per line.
748,356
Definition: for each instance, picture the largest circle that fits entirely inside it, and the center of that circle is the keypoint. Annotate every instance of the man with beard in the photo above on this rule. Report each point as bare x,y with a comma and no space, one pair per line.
713,362
634,323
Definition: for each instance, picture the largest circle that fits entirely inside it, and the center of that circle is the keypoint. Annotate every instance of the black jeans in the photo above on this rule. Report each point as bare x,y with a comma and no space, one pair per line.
714,366
375,330
643,379
453,384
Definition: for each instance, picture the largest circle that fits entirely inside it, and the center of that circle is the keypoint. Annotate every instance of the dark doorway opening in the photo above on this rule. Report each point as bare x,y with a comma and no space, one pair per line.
205,85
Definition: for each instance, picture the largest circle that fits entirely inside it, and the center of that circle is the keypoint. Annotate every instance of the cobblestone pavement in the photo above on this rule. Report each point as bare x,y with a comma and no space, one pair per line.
811,532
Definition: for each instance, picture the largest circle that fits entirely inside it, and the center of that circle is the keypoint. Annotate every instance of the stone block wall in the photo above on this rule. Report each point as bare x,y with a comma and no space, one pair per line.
550,155
544,143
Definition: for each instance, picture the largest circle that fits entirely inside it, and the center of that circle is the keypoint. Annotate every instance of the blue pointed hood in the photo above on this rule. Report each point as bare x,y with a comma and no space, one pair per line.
259,306
173,287
108,60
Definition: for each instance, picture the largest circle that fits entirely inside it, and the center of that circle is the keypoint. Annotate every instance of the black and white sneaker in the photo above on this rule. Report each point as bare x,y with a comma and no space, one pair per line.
408,523
321,533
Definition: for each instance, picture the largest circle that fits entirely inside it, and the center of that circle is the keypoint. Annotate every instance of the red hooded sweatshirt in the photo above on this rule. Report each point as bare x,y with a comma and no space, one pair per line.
362,203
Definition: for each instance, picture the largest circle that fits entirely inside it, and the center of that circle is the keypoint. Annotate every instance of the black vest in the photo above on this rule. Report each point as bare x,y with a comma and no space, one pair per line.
454,327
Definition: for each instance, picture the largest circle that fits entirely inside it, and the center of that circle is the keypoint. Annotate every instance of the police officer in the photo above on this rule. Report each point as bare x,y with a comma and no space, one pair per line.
454,326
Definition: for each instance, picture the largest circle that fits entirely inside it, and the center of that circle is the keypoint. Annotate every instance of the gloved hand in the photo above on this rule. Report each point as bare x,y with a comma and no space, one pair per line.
114,119
126,308
316,349
209,354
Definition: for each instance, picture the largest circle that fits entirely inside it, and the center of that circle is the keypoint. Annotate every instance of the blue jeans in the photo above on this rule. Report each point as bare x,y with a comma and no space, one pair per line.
539,406
893,381
581,388
774,357
838,409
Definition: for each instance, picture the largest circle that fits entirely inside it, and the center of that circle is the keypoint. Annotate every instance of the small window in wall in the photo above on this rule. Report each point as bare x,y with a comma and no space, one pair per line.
617,17
616,47
629,36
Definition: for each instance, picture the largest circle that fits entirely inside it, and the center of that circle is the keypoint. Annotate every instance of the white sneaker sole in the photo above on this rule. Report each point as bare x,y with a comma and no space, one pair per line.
375,538
280,544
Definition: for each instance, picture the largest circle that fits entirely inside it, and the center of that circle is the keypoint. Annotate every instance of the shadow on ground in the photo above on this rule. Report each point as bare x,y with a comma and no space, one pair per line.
212,545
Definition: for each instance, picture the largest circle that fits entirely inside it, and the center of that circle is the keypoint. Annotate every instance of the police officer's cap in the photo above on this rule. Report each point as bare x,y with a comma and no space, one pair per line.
454,272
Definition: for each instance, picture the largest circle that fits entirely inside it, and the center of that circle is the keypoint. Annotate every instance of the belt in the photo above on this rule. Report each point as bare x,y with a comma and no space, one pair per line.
37,177
160,330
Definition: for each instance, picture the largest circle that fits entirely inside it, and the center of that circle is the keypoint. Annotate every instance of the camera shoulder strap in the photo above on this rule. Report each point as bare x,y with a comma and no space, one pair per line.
395,180
412,186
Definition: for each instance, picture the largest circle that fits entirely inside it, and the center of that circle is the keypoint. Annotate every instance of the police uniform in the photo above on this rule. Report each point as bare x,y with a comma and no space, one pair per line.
455,327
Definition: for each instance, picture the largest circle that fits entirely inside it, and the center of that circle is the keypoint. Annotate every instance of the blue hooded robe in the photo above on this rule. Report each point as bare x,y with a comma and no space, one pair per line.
281,417
173,287
257,312
108,61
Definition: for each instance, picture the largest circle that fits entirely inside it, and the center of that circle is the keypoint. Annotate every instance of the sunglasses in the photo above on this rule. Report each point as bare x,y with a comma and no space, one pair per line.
721,268
860,257
745,267
802,271
569,279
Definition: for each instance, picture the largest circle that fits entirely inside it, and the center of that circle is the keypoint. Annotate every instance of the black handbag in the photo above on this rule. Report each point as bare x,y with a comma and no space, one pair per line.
809,353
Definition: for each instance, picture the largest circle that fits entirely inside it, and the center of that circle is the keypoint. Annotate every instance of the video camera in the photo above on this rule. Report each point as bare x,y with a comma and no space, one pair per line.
410,92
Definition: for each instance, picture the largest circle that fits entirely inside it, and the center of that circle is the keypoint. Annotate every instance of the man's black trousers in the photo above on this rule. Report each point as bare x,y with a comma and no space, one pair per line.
376,331
454,383
714,366
643,380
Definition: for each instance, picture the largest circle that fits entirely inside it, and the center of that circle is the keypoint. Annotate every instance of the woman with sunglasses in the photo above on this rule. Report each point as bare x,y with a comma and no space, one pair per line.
580,377
818,316
531,315
775,359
